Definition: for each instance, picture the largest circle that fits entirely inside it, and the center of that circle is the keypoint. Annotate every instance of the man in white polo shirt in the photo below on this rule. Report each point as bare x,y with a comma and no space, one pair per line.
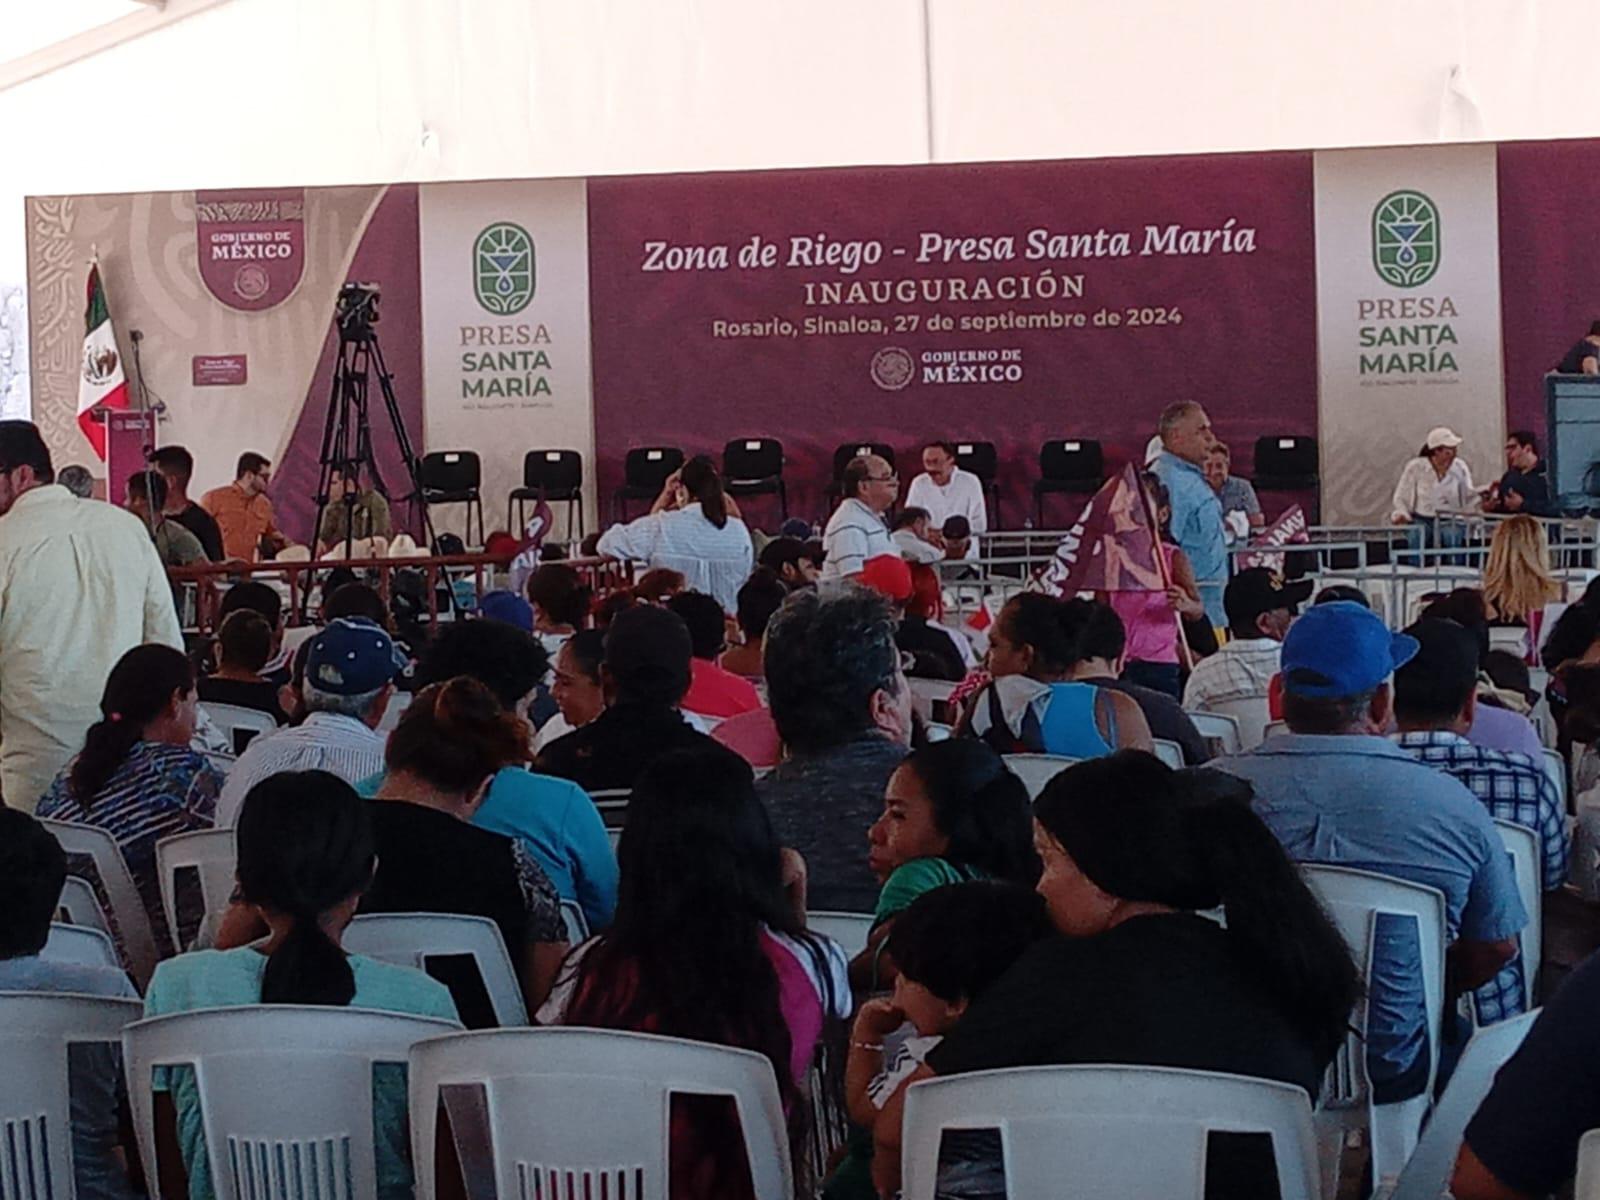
946,491
856,531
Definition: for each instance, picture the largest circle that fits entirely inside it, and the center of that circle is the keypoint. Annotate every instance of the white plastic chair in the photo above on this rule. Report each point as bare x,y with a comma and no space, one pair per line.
410,939
1274,728
1512,640
577,925
1427,1173
1119,1131
926,693
566,1076
82,945
1036,770
1353,899
1522,844
1587,1186
137,940
1220,728
613,805
36,1029
1556,768
285,1092
222,762
81,906
849,929
1250,712
1169,752
211,852
238,724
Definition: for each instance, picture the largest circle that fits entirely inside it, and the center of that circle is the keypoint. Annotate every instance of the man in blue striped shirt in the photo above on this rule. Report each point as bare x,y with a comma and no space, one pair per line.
1197,525
1434,698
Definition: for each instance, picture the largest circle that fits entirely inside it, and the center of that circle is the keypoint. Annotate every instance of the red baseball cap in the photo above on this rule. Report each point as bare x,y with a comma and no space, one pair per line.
890,575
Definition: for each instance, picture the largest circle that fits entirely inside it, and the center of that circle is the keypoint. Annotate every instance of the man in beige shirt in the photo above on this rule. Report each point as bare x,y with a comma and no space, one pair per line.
80,585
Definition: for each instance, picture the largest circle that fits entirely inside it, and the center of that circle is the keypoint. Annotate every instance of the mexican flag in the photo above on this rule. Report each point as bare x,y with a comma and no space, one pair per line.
102,384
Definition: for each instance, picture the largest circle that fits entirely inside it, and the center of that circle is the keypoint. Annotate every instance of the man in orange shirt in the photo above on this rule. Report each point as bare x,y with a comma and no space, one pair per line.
243,512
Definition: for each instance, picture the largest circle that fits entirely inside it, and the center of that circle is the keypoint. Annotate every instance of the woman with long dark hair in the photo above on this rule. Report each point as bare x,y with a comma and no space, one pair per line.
1132,853
952,812
694,528
136,777
305,856
706,944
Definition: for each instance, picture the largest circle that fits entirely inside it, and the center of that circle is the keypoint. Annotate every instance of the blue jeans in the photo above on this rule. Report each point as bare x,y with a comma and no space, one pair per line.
1397,1013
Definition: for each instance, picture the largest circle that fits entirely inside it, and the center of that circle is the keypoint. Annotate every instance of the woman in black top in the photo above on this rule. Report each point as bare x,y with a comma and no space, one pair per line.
1131,851
449,744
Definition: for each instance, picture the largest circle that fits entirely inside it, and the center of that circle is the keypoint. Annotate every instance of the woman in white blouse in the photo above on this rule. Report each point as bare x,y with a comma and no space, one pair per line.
693,528
1435,484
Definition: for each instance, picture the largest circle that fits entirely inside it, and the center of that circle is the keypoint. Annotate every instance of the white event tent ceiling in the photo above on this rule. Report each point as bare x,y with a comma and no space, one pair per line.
119,95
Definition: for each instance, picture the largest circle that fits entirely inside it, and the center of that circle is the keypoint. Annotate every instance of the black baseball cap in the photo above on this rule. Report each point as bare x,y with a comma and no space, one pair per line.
1258,590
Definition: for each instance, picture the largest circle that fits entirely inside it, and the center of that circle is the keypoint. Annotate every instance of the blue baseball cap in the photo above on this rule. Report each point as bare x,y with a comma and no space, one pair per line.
1341,649
351,657
507,607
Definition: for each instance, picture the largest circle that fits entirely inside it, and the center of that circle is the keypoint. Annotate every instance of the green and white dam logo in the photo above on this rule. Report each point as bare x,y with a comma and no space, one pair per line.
502,268
1405,238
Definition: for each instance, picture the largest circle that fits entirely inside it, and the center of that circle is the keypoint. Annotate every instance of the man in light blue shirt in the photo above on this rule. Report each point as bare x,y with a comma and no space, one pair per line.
1334,791
1197,526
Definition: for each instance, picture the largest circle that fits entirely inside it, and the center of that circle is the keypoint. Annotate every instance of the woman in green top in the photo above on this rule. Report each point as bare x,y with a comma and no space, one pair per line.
952,812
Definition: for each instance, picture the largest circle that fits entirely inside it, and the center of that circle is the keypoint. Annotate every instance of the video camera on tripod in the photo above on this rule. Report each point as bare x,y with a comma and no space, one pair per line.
355,311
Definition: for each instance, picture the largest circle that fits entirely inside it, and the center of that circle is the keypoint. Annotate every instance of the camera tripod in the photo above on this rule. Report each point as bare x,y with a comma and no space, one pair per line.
347,431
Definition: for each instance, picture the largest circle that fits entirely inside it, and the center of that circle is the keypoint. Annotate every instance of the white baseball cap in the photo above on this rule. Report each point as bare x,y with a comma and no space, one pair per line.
1443,435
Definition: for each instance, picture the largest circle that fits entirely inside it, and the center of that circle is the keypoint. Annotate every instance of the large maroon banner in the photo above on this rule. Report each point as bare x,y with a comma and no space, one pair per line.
1549,264
1012,303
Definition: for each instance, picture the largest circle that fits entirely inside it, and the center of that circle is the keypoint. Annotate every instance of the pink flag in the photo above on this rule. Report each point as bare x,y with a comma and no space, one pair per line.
1110,548
1289,529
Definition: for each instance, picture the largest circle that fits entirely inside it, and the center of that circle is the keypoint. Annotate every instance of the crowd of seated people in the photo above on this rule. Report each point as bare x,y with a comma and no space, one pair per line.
767,748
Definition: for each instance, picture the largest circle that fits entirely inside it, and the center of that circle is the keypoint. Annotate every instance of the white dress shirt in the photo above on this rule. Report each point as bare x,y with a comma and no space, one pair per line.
711,560
1422,493
324,741
80,586
961,497
854,534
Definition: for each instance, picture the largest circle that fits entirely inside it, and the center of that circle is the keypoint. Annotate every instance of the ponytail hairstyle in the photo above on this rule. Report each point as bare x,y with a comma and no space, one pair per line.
1189,839
980,807
138,691
305,845
700,480
455,734
1042,623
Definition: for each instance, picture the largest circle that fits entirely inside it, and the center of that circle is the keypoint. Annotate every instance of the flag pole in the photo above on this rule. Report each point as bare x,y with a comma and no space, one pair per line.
1166,578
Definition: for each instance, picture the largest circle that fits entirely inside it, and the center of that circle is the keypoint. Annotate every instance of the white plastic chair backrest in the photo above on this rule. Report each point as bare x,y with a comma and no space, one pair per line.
222,762
925,693
82,945
1220,727
849,929
1587,1186
938,732
1251,714
1353,899
410,939
577,925
1169,752
1274,728
1522,844
1513,640
285,1092
1122,1131
82,906
127,909
35,1113
567,1076
235,720
211,853
398,703
1556,768
1426,1174
1036,770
